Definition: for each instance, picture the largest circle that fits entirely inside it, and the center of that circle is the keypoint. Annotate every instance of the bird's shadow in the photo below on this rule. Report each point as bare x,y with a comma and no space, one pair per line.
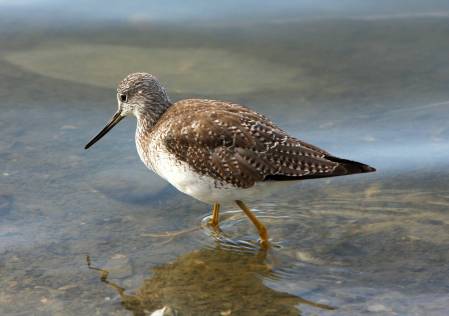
211,281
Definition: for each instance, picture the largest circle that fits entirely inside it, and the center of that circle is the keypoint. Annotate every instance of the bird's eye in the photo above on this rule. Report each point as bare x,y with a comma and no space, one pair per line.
123,97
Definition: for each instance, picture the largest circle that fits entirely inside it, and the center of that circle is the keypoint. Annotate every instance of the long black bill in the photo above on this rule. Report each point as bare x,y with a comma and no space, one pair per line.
115,119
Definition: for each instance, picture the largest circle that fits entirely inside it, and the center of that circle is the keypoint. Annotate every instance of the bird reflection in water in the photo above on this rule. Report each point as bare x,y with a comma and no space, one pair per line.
211,281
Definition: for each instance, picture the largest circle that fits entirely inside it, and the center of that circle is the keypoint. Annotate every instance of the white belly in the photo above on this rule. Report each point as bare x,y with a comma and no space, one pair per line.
204,188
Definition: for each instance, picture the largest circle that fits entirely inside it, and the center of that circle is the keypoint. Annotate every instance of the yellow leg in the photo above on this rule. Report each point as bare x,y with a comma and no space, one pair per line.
263,233
215,215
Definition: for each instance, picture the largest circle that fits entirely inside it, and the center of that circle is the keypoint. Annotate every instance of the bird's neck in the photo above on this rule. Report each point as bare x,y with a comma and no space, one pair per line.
147,119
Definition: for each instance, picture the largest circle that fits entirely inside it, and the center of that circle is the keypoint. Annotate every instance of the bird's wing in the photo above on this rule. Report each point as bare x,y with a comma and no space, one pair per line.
235,145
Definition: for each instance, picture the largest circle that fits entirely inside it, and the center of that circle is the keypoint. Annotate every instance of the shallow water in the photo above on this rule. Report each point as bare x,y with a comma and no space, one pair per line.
366,83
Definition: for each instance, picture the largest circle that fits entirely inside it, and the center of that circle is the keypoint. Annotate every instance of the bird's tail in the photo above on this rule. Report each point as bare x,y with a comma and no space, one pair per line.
349,167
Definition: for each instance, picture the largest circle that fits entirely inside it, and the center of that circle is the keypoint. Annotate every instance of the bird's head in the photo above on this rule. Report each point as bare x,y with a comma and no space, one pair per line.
139,94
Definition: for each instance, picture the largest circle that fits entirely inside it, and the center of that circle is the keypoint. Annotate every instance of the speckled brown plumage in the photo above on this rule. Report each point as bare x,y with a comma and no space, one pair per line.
236,145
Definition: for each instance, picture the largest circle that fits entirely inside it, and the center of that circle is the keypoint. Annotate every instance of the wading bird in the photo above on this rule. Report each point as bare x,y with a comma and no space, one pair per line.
218,151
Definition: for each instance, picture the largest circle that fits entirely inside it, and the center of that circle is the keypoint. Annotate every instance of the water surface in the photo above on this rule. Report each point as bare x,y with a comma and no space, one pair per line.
365,82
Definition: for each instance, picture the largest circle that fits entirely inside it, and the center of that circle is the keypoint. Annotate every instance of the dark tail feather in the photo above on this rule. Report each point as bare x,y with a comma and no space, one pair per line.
349,166
344,167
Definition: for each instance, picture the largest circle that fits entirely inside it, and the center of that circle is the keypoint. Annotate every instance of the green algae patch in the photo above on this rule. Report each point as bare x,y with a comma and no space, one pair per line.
187,70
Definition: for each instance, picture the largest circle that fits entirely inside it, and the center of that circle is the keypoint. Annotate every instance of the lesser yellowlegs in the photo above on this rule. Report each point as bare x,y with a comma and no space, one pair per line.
218,151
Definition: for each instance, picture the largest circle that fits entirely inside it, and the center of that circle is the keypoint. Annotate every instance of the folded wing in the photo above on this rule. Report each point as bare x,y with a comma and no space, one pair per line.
235,145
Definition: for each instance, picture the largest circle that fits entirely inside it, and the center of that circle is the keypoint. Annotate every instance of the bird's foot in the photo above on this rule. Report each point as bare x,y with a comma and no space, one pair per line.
264,243
213,225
